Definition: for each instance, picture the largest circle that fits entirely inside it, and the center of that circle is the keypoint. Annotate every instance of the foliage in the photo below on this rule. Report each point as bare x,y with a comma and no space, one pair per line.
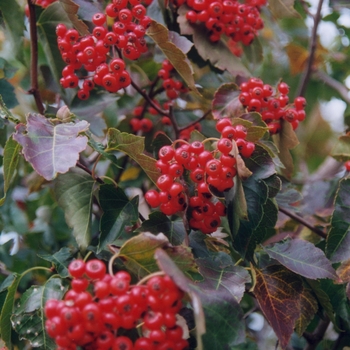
85,164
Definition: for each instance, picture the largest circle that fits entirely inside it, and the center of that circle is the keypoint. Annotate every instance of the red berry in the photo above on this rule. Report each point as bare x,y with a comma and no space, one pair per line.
95,269
77,268
152,198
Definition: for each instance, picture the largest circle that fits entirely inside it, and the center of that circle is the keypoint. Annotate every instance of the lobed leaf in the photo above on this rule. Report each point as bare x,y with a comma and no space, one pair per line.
119,213
278,292
138,254
10,162
49,148
158,222
338,239
133,146
174,48
74,193
60,260
303,258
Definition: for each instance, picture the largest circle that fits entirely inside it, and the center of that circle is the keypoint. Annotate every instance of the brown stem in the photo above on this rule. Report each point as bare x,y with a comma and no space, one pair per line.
196,121
174,122
302,221
82,166
312,48
34,90
317,335
148,99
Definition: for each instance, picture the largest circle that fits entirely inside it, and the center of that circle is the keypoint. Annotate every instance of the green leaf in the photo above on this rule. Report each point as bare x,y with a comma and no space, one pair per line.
8,69
118,213
28,318
341,150
6,312
158,222
220,292
12,15
138,254
60,260
303,258
256,194
46,25
10,162
254,52
50,148
133,146
174,48
283,8
338,239
74,193
7,92
278,293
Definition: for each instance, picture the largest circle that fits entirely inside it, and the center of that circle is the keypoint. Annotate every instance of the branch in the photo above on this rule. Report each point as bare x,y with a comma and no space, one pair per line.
196,121
302,221
317,335
334,84
34,90
312,48
82,166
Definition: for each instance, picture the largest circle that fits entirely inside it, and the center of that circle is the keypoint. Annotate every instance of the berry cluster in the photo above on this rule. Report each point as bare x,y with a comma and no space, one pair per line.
95,53
238,21
171,85
272,105
208,171
99,320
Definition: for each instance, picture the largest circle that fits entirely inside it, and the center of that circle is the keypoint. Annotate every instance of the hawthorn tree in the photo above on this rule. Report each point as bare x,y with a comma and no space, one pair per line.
167,178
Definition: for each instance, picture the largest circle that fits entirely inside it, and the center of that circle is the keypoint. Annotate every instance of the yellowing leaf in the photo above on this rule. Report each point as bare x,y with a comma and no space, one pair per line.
174,52
283,8
130,174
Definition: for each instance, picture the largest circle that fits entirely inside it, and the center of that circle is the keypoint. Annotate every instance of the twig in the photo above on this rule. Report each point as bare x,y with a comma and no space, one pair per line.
148,99
174,122
34,90
82,166
317,335
196,121
334,84
302,221
312,48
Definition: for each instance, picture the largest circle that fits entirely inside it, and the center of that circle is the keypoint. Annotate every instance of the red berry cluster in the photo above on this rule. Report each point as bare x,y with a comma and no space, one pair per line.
98,320
44,3
272,105
95,52
171,85
205,169
239,21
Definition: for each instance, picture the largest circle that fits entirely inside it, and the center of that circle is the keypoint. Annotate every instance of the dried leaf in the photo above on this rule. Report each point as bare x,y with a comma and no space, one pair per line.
283,8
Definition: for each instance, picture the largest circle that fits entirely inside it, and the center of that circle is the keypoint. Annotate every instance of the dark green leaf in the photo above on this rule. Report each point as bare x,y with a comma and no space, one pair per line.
60,260
119,213
10,162
6,312
338,239
28,318
303,258
8,69
74,194
7,92
158,222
